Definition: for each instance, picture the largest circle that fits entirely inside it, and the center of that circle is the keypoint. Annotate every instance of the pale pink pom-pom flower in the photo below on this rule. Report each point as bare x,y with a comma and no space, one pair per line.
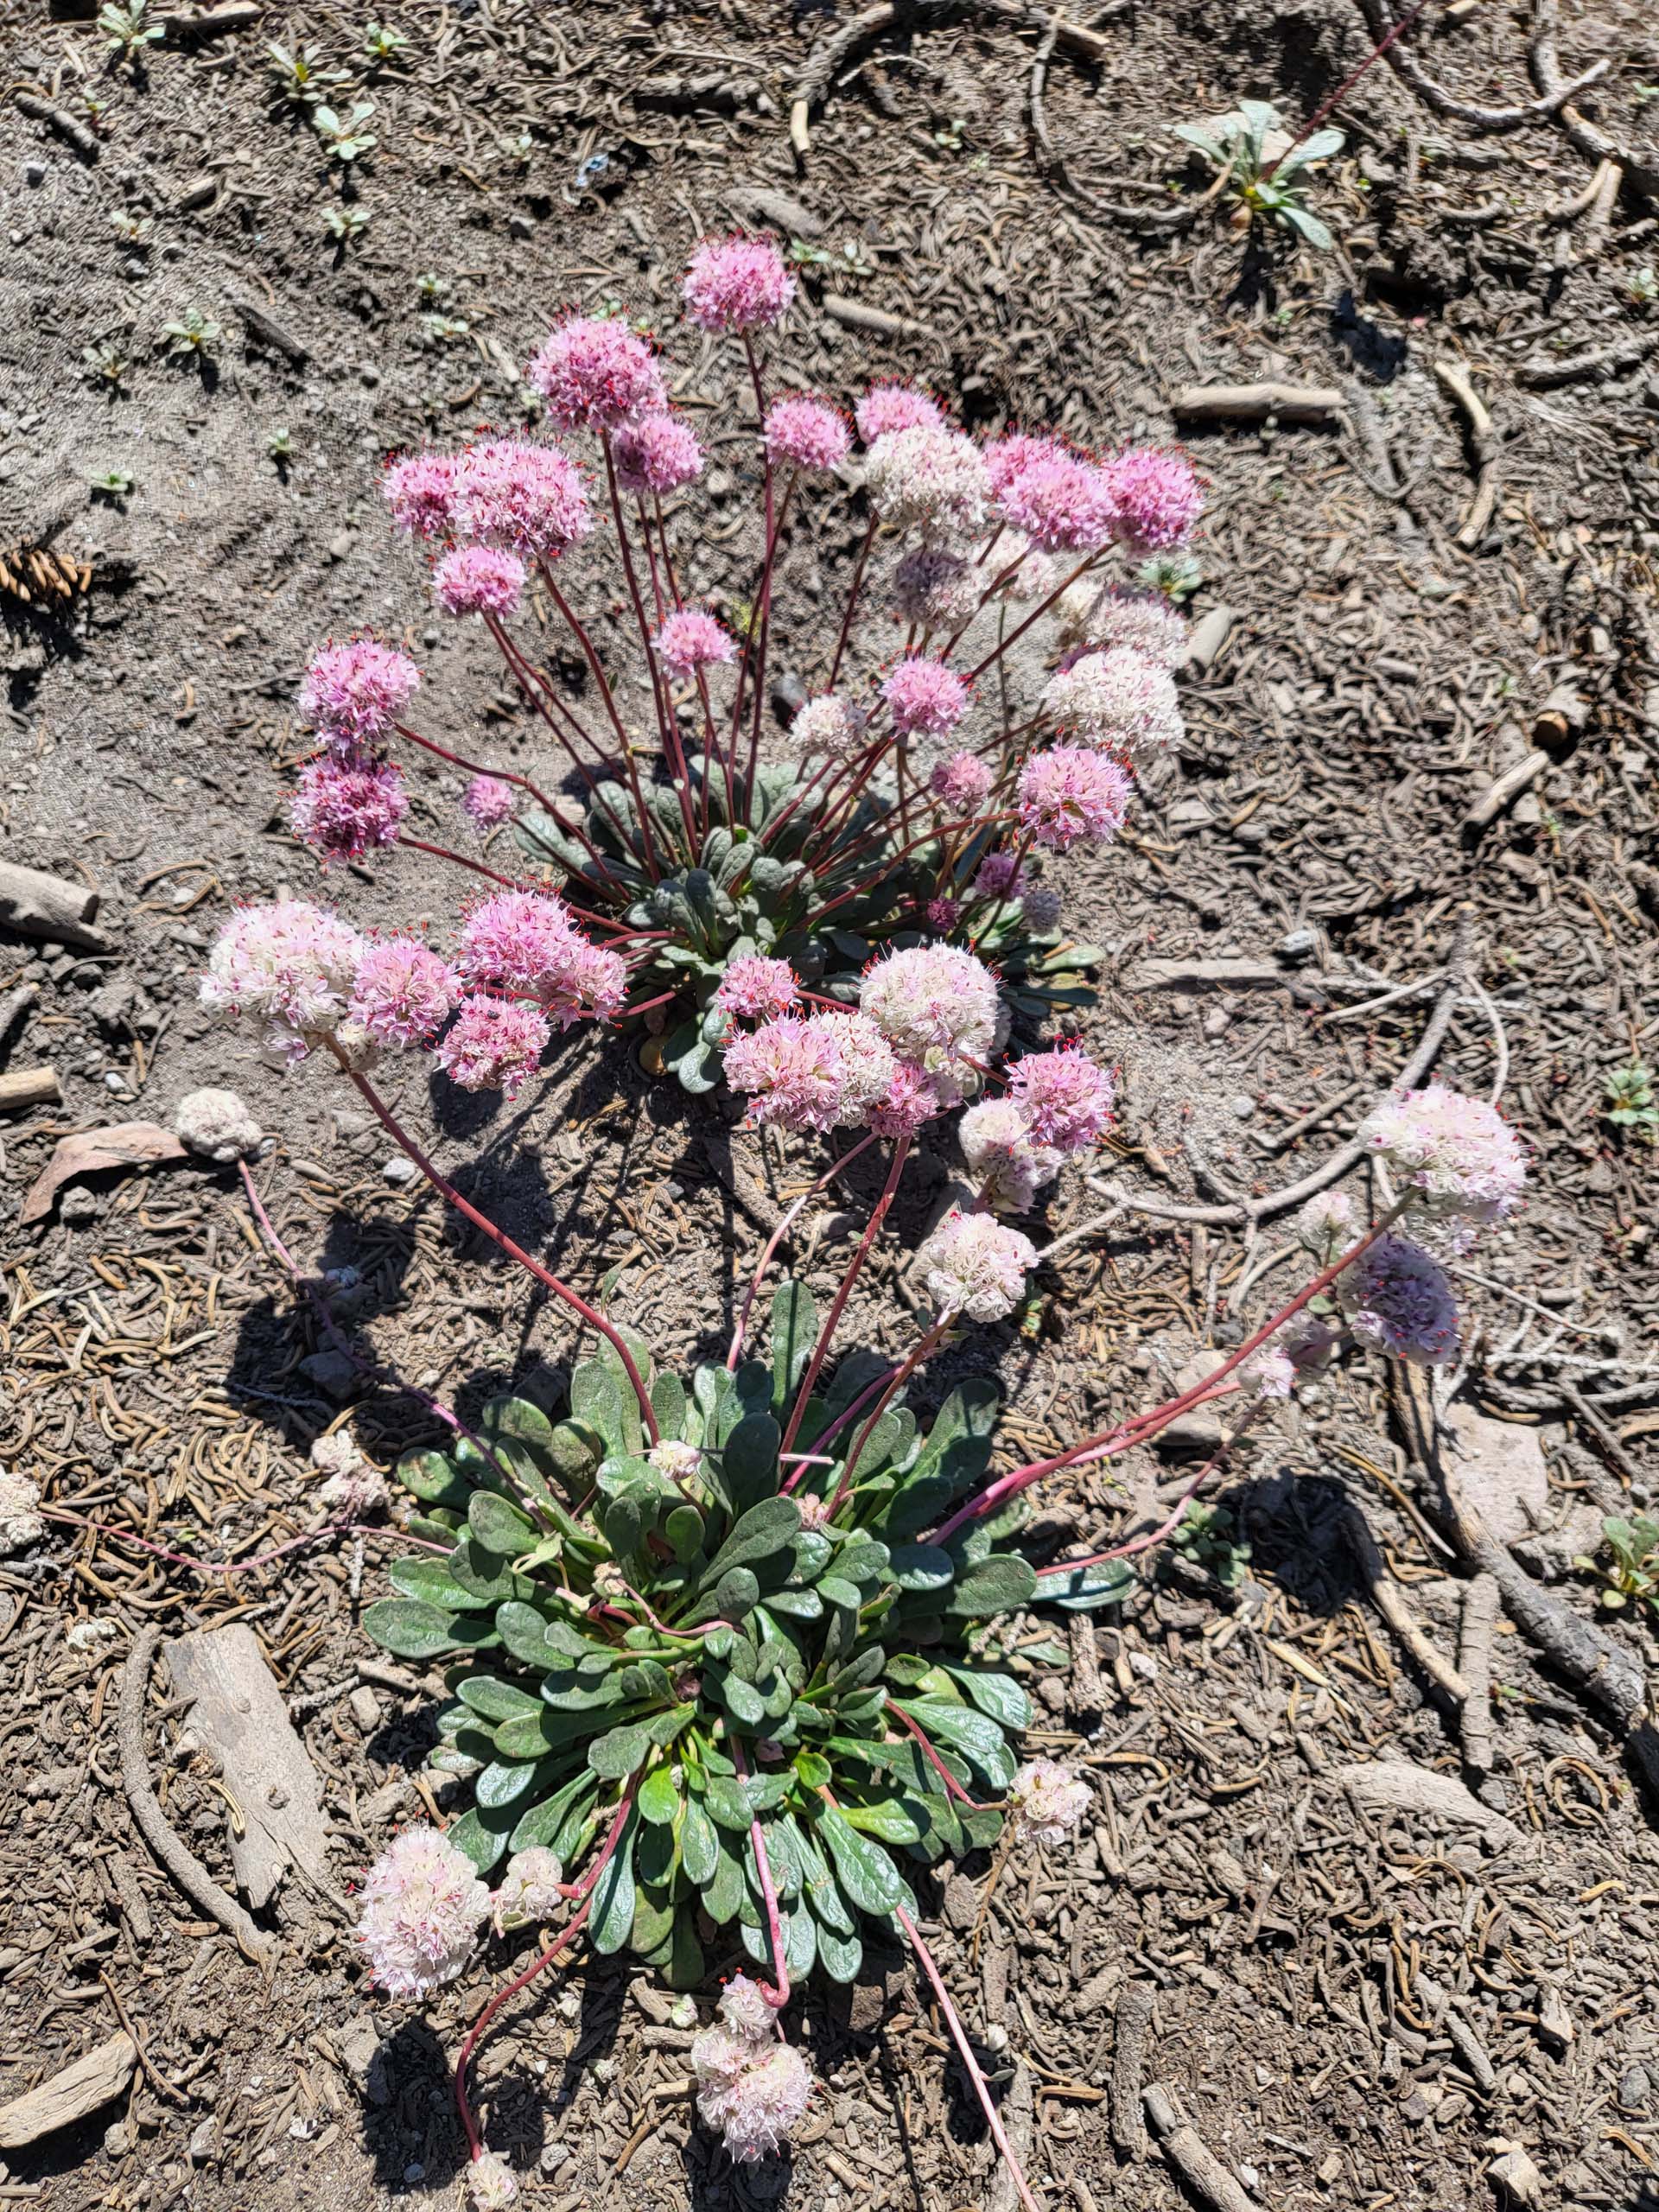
527,498
1397,1296
887,407
1049,1801
656,456
866,1060
1159,497
998,1147
1069,793
912,1098
924,698
403,992
737,284
1325,1222
1006,458
827,724
423,1905
354,693
757,988
478,579
595,374
963,782
793,1073
289,966
529,1890
1062,503
1119,699
516,939
937,1006
809,433
489,2182
744,2009
1065,1098
494,1045
944,914
343,811
1456,1155
1138,621
975,1265
928,478
488,802
690,639
762,2108
419,489
1273,1372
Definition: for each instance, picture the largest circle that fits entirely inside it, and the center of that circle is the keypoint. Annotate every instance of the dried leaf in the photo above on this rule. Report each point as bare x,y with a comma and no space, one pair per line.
92,1152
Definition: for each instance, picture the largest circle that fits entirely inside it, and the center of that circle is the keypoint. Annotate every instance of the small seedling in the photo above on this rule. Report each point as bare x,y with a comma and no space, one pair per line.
113,483
444,329
1630,1103
431,287
1634,1571
1644,287
850,259
1268,190
126,29
1209,1539
518,148
279,446
300,73
131,228
193,334
949,135
96,110
344,135
382,43
106,363
345,223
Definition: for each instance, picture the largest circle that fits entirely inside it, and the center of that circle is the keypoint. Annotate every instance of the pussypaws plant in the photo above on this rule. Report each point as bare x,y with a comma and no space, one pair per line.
912,795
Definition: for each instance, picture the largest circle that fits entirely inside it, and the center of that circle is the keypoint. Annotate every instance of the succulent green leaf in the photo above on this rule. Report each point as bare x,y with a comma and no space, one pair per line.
410,1629
430,1580
794,1332
482,1836
885,1817
699,1845
997,1584
435,1478
765,1529
683,1529
553,1823
500,1528
862,1868
659,1799
1085,1589
749,1459
612,1918
998,1694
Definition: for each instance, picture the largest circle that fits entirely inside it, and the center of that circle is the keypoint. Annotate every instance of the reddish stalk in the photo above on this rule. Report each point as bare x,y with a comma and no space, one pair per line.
778,1996
460,860
1345,87
776,1238
667,723
590,654
896,1382
1167,1529
1140,1427
1036,615
505,776
852,600
820,1350
549,1280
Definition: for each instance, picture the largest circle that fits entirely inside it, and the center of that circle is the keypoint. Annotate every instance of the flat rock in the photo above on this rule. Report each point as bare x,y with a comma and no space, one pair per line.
1198,1429
102,2073
1203,975
1502,1469
1396,1786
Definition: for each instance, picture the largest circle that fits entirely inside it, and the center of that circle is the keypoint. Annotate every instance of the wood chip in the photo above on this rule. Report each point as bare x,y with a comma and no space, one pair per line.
101,2073
1395,1786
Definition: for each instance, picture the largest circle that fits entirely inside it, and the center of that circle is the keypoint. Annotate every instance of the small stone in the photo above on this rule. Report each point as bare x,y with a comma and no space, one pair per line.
79,1207
1518,2180
1634,2087
34,174
961,1903
397,1169
364,1710
358,2046
555,2157
202,2140
333,1373
1217,1021
118,2139
339,545
1241,1107
1300,945
520,227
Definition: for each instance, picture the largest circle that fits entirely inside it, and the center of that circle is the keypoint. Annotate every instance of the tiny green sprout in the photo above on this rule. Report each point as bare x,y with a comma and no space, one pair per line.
300,73
193,332
345,223
279,446
1177,575
1634,1571
1642,93
1208,1538
382,43
949,135
126,29
95,110
345,136
106,363
1630,1103
518,148
113,483
1644,286
432,286
1268,191
131,228
444,329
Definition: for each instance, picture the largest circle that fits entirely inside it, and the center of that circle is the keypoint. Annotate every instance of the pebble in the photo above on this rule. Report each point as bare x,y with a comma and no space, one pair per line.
339,545
1635,2087
397,1169
34,172
366,1709
1241,1106
78,1207
201,2141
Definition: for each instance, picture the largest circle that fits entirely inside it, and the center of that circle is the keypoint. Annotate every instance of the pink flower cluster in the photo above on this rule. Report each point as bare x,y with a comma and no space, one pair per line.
494,1045
289,967
354,693
827,724
1140,621
1455,1155
689,639
757,988
525,942
1397,1296
751,2085
937,1006
423,1906
974,1265
1159,497
1069,793
1118,699
404,993
1062,502
656,456
1049,1801
963,783
737,284
1065,1098
596,374
488,802
924,698
529,498
889,407
808,433
343,809
998,1147
824,1072
478,579
931,479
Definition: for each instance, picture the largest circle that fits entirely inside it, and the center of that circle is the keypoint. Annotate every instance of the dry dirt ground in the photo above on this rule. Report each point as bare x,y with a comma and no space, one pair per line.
1354,2006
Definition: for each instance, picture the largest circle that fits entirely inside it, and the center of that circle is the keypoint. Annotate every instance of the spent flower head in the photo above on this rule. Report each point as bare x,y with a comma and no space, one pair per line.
929,479
975,1265
1048,1800
937,1006
423,1905
827,724
997,1145
1456,1155
289,967
1397,1297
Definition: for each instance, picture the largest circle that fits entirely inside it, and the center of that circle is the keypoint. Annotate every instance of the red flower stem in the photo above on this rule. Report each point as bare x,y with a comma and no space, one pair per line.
852,600
1020,859
1035,615
1140,1427
776,1238
667,723
927,837
566,1936
1217,1458
716,753
778,1996
959,2036
895,1383
1345,87
549,1280
445,853
761,607
645,1005
571,829
820,1350
546,701
646,847
953,1787
239,1566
